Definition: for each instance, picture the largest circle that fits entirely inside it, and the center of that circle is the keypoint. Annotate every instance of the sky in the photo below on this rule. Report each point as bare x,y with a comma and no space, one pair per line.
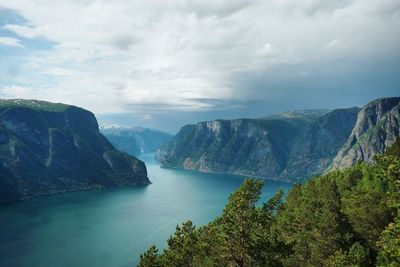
164,63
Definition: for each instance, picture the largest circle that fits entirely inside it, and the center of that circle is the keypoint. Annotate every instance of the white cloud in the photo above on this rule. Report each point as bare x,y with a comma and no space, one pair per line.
266,50
24,92
334,49
8,41
113,56
24,31
334,45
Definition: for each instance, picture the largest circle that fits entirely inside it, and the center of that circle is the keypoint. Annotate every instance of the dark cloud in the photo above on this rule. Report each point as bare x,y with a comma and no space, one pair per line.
166,63
387,9
216,104
321,7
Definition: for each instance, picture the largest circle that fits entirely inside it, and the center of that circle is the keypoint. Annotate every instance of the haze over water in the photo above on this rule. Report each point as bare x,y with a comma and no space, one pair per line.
112,227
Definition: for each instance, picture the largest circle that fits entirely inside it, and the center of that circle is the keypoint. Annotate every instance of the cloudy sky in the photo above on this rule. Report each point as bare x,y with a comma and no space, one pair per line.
162,63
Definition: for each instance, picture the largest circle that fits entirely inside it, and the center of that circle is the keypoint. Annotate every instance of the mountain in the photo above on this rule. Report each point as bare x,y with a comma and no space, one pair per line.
49,148
315,148
377,127
134,140
244,146
282,146
287,146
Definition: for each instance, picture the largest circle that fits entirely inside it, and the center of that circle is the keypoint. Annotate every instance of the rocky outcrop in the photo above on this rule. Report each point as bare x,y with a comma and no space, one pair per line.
377,127
48,148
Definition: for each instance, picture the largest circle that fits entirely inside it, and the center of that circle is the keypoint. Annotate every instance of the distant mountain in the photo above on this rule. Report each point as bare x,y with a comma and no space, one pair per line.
134,140
281,146
306,115
49,148
377,127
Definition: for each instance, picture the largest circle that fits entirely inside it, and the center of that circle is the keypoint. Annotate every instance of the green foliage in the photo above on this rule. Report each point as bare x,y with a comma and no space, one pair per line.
357,255
389,244
181,247
150,258
365,203
245,228
394,149
389,255
313,224
343,218
239,221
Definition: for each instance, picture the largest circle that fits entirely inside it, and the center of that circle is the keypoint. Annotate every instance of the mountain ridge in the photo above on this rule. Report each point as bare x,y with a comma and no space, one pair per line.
377,127
248,147
293,154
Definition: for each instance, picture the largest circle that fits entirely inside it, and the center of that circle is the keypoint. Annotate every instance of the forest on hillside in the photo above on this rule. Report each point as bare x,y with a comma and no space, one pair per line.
342,218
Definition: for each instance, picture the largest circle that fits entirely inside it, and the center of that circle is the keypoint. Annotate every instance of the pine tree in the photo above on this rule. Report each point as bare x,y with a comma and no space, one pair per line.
182,246
343,218
312,222
389,255
150,258
238,221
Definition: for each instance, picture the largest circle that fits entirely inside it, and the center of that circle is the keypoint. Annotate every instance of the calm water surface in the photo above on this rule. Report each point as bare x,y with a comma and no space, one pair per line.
112,227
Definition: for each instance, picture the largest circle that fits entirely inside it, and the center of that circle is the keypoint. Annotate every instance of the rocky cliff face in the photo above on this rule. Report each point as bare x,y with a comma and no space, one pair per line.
314,149
48,148
377,127
135,140
247,147
287,146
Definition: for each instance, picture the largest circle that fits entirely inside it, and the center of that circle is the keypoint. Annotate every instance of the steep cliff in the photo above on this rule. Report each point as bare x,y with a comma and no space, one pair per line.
377,127
315,148
287,146
257,148
48,148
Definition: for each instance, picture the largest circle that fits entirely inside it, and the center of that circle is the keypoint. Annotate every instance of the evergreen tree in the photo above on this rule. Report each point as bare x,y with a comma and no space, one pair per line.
356,256
343,218
239,220
150,258
389,255
181,246
312,222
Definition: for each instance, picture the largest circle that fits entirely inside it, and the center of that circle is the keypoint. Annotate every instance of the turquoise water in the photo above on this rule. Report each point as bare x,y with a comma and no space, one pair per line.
112,227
